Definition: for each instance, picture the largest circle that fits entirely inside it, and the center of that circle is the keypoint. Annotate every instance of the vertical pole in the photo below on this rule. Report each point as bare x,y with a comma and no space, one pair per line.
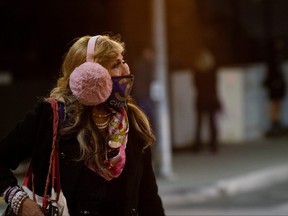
160,89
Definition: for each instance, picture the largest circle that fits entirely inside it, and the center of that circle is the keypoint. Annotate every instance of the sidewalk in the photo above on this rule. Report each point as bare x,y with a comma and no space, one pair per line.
236,168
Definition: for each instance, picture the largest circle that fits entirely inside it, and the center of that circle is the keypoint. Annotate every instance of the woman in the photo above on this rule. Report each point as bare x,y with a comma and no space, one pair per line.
207,102
104,138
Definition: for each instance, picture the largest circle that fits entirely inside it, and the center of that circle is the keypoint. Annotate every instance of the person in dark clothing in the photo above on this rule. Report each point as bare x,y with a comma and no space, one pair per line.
275,85
144,70
207,102
104,140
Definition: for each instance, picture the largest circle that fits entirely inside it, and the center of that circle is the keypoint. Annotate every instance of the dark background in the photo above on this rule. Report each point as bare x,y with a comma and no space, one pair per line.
35,35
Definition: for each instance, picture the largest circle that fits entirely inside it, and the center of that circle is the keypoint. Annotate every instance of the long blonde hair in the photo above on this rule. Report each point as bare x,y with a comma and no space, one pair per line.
77,115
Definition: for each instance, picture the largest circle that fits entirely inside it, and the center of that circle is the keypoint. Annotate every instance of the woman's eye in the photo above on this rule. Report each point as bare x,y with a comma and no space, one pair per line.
116,65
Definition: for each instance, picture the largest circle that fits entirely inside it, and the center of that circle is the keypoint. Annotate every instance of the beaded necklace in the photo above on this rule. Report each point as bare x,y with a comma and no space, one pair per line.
101,115
103,125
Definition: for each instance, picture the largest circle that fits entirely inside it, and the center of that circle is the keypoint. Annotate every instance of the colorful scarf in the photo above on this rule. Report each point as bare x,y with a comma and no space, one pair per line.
117,139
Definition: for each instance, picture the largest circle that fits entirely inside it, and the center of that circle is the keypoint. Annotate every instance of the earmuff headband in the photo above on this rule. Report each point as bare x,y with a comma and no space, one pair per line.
90,82
91,48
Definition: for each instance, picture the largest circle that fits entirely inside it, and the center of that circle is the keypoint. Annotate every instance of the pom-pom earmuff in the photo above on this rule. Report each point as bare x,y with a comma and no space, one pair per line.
90,82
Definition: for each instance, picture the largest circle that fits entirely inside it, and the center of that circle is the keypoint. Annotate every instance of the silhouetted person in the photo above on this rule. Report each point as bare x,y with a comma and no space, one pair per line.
144,70
207,103
275,86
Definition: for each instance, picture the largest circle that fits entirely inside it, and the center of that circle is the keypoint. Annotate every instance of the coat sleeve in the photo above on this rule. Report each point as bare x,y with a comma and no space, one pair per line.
18,144
150,202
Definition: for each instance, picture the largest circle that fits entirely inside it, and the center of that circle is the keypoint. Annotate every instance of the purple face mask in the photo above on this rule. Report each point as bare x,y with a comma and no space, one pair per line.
122,86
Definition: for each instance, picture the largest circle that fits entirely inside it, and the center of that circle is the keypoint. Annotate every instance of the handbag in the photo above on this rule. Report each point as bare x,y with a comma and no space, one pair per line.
54,203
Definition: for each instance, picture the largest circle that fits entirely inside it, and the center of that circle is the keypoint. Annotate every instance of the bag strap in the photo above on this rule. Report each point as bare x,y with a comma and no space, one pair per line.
53,171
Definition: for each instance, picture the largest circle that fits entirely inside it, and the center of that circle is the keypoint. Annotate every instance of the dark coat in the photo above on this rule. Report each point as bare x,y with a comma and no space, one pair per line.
205,84
32,137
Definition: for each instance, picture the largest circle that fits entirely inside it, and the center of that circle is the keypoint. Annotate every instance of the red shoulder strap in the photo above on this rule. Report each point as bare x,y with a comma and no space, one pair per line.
53,171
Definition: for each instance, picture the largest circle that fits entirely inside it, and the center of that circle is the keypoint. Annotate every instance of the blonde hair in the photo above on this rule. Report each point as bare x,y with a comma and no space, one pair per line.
107,48
77,120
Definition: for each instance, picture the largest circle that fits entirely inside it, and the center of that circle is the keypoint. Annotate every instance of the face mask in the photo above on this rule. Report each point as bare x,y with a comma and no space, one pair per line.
121,88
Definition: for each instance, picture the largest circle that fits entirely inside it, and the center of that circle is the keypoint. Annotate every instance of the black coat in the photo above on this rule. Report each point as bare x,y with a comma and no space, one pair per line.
32,137
205,84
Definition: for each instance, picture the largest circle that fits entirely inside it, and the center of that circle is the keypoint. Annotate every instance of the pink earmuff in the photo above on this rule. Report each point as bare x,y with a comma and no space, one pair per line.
90,82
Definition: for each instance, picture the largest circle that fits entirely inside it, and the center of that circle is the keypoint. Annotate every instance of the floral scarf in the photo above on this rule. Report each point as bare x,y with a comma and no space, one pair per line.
117,139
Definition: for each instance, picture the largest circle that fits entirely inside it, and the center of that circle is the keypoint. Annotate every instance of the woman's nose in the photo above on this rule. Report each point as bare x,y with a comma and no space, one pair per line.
125,70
